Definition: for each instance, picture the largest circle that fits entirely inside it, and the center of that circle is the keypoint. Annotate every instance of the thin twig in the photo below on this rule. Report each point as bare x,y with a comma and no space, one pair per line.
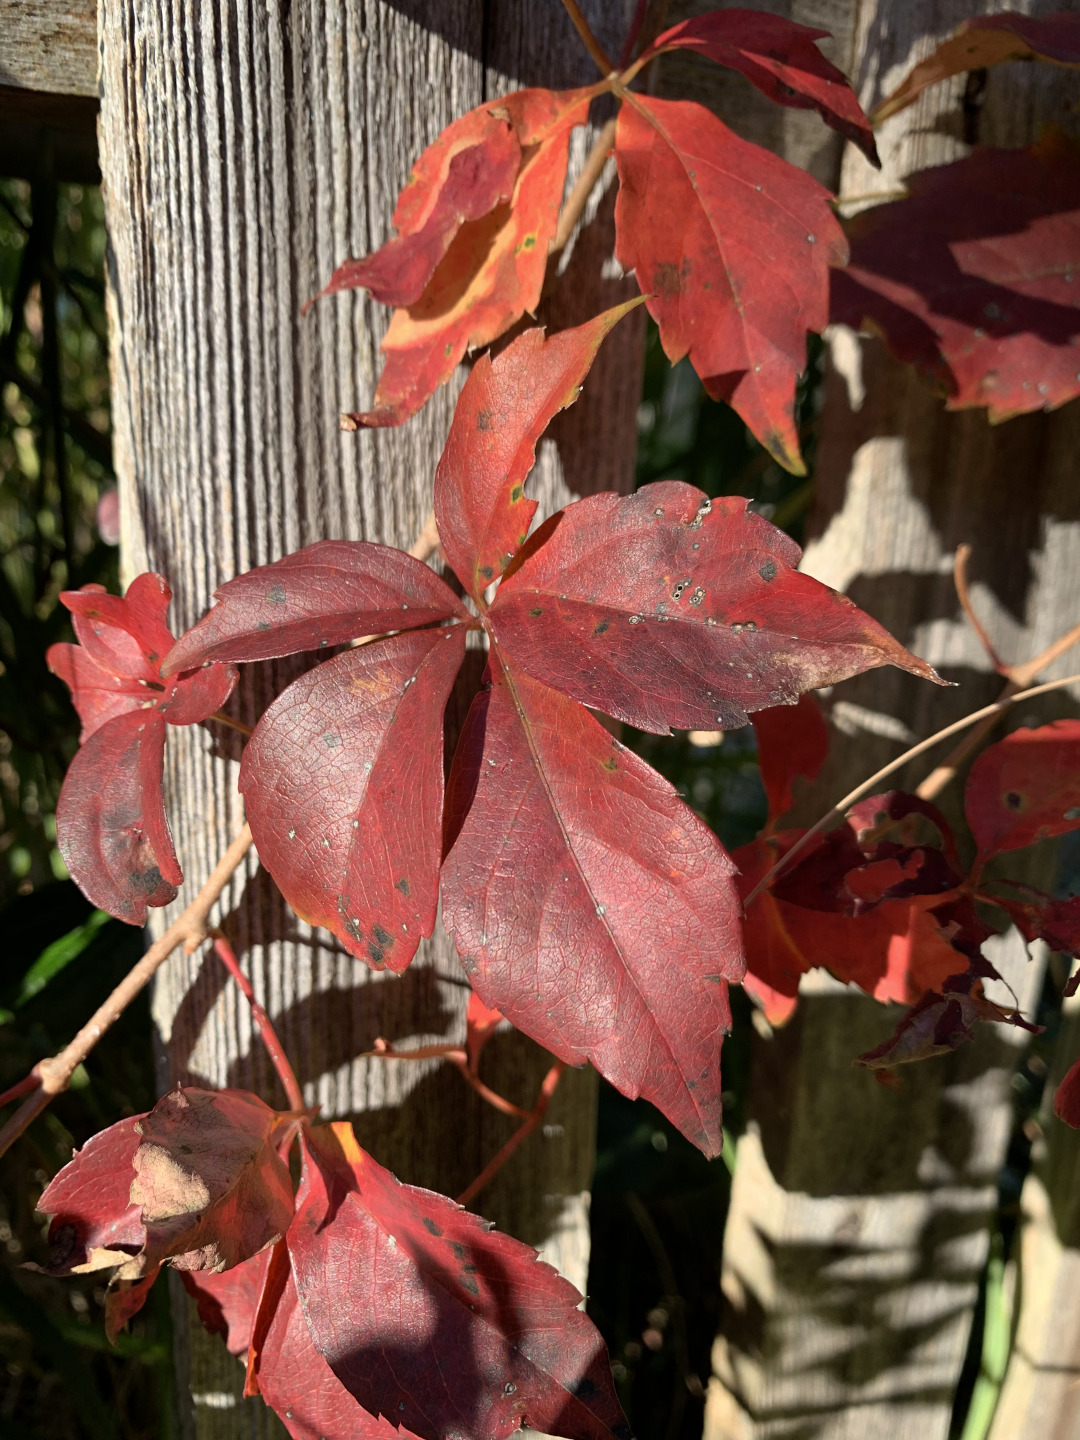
223,719
901,760
583,186
427,542
460,1061
963,594
54,1075
595,49
539,1110
1018,678
274,1048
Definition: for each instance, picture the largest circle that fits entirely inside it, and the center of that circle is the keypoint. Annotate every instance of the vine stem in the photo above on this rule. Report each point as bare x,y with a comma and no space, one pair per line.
583,186
1017,677
603,61
52,1076
460,1060
865,788
539,1110
274,1048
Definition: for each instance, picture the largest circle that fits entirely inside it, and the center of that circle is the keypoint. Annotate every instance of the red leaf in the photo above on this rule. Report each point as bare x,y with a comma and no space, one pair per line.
940,1022
294,1379
343,783
94,1223
480,505
665,608
781,59
588,903
212,1186
228,1300
125,1298
493,270
470,169
989,40
452,1328
971,278
325,594
111,826
481,1022
116,667
732,245
1025,788
1067,1098
793,742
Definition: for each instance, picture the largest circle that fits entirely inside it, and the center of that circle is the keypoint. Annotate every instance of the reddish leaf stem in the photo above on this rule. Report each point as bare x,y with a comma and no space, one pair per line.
595,49
539,1110
28,1082
867,786
460,1060
52,1076
274,1047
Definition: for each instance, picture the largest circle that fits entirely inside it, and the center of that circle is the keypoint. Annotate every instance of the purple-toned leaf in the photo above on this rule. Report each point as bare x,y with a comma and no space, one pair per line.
343,783
111,826
451,1328
781,59
664,608
588,903
325,594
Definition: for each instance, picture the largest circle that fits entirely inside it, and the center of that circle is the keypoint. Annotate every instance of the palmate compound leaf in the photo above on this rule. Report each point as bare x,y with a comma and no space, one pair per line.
1025,788
343,786
481,508
984,41
732,246
451,1329
974,277
780,58
111,826
588,903
492,270
665,608
325,594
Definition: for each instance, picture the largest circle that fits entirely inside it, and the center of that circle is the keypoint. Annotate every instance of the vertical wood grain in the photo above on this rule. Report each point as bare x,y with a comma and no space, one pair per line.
247,149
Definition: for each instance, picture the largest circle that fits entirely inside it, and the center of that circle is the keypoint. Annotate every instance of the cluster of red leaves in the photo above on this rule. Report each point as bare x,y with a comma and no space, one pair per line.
449,1328
884,902
972,277
588,903
111,826
731,244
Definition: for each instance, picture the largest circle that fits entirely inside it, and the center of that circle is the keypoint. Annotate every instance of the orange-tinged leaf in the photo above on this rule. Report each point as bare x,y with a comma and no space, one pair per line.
480,503
974,277
984,41
451,1328
780,58
343,784
208,1176
469,170
492,271
481,1022
732,246
1025,788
